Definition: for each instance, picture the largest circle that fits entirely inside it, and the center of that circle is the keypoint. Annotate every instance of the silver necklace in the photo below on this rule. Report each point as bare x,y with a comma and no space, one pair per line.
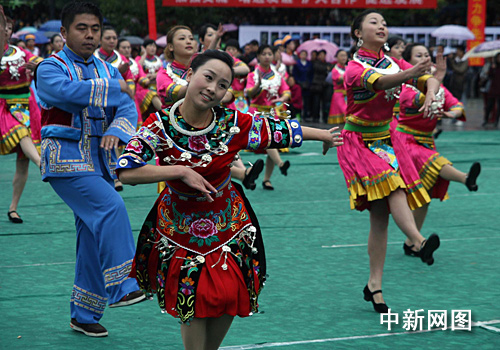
177,127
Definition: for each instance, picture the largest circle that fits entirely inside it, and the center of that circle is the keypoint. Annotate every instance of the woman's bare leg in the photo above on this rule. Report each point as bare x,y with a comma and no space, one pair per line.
18,183
377,245
30,150
403,217
205,333
419,215
450,173
194,335
217,329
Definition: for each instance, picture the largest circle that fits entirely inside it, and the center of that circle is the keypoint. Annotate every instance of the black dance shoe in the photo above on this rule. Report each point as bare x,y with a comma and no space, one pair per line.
409,251
284,167
15,220
430,245
267,185
470,180
368,296
253,174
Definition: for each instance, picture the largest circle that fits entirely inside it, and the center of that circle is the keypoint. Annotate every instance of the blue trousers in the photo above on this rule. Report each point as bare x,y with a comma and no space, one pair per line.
104,244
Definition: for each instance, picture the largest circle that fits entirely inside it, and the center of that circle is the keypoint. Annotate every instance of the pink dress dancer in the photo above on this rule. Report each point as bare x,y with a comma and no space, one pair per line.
237,88
413,142
19,112
273,86
143,96
338,104
367,158
169,81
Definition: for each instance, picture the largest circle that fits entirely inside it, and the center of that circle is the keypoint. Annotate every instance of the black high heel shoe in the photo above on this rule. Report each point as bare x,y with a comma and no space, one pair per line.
381,308
429,247
409,251
470,180
284,167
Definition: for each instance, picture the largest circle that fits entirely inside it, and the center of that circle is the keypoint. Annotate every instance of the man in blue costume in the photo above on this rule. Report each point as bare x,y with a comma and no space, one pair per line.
86,110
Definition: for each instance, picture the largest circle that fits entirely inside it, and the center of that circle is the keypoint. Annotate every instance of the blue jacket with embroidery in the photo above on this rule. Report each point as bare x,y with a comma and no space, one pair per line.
81,102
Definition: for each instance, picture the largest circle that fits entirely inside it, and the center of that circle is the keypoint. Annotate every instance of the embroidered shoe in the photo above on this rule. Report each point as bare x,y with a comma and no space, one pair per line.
89,329
130,299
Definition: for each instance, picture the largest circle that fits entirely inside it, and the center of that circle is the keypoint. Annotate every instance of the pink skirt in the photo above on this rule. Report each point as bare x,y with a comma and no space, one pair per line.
422,159
369,177
337,109
13,129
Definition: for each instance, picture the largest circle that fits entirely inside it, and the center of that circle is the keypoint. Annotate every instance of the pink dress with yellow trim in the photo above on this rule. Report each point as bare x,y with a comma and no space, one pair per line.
414,144
338,104
367,158
19,112
273,86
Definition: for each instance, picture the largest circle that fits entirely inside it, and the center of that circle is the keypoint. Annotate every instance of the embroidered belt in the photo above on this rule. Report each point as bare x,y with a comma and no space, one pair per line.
370,132
420,136
186,196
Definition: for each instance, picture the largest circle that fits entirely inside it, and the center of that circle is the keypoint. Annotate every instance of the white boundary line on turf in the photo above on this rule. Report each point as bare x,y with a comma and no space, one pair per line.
328,340
44,264
442,240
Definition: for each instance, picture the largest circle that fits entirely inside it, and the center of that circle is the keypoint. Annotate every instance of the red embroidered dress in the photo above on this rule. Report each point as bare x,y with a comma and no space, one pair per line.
203,259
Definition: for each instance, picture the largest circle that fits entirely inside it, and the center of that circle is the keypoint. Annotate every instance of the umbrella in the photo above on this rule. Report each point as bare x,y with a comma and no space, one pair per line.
486,49
230,27
162,41
26,30
134,40
39,38
318,45
51,34
452,31
51,26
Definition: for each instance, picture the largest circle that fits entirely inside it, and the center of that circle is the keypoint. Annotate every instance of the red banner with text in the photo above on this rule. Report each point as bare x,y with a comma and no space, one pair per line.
476,22
394,4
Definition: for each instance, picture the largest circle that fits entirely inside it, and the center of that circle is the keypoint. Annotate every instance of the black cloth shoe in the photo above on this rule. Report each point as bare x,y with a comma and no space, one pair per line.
470,180
284,167
267,185
130,299
253,174
15,220
409,251
429,247
90,329
381,308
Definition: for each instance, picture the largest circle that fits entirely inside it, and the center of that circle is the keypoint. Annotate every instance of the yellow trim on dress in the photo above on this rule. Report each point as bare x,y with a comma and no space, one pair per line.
429,172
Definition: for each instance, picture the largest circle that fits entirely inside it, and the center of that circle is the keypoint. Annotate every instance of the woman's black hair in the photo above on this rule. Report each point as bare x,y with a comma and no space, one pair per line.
393,40
108,28
209,55
148,42
356,23
121,40
409,49
339,51
204,29
53,37
74,8
262,48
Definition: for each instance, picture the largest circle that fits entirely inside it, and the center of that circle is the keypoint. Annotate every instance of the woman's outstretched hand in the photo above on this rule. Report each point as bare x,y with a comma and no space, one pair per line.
197,182
332,139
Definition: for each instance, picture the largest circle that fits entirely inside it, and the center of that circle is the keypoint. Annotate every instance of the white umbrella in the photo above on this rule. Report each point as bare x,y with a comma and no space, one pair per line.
452,31
486,49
